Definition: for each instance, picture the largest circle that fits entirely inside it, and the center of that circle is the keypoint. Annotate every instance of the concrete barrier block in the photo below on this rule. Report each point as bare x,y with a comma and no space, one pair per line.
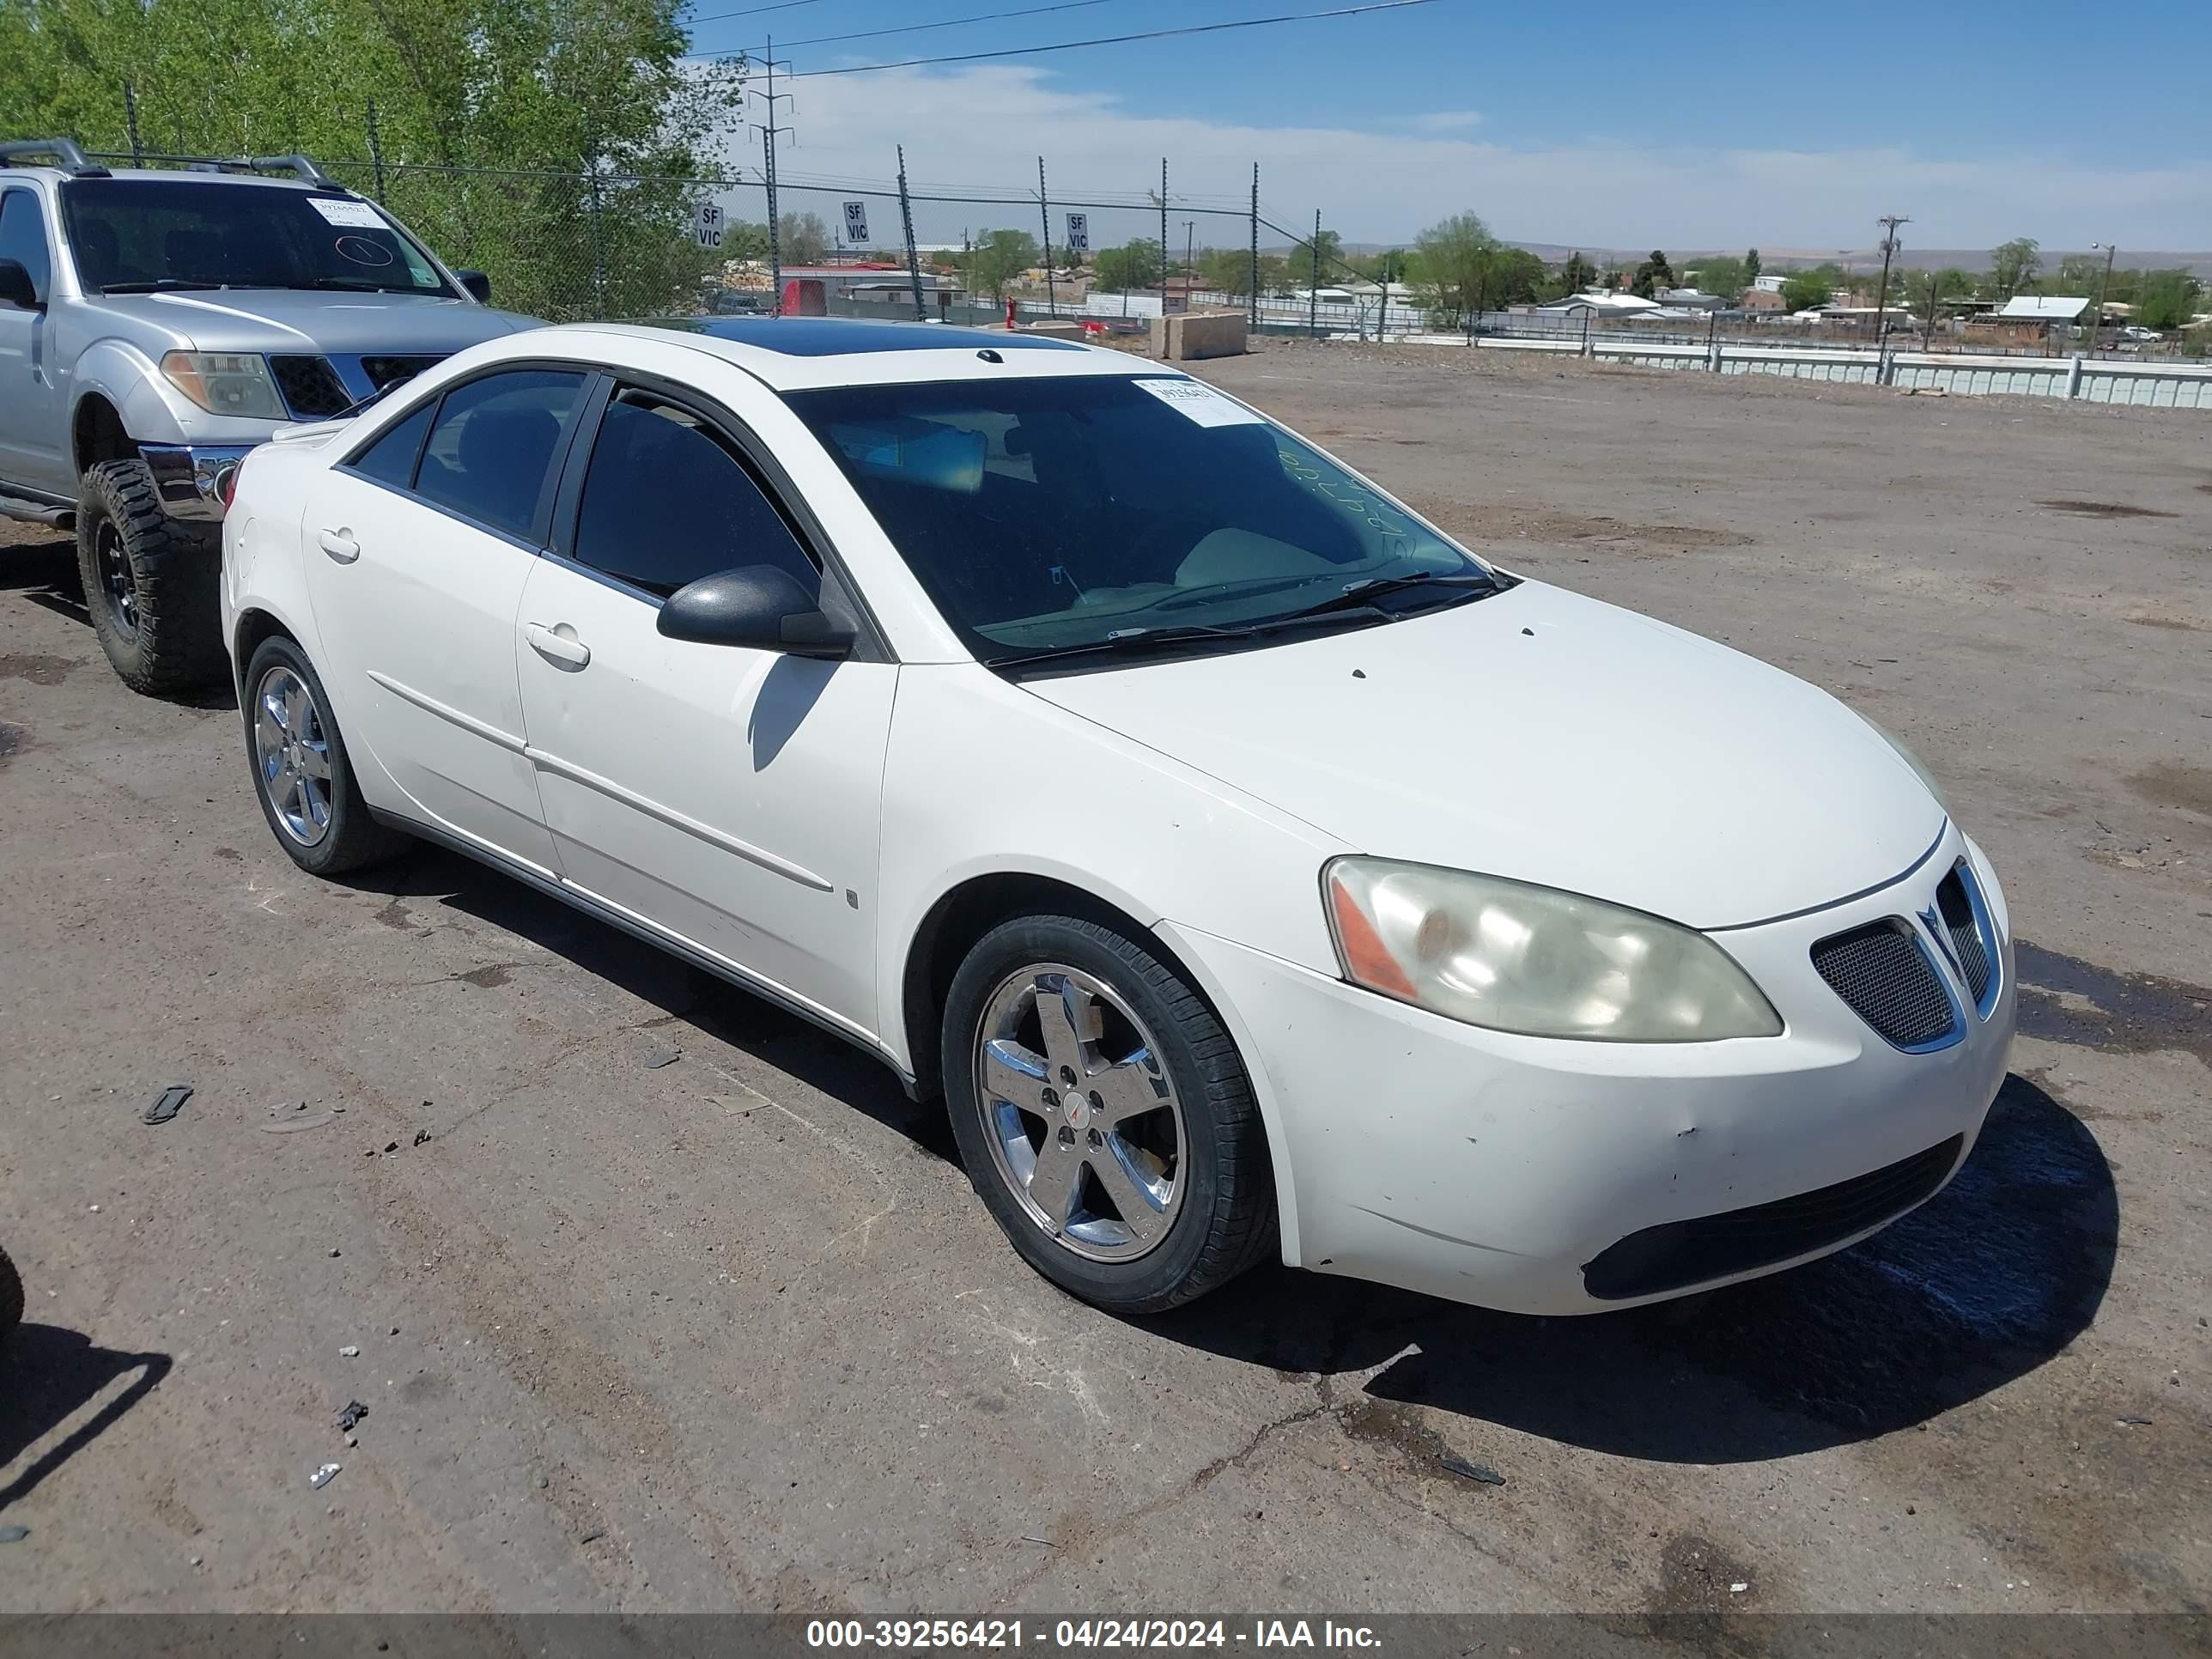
1184,336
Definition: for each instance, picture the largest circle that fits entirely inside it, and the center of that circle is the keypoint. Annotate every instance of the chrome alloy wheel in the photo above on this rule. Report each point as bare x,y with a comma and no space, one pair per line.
118,585
1085,1124
292,751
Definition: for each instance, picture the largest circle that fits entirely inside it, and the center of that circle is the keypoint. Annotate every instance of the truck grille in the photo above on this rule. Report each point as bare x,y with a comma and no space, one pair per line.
1680,1254
1887,977
1958,914
384,373
310,386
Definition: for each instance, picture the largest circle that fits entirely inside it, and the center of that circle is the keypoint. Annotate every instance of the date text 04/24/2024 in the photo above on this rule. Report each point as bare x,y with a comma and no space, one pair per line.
1263,1634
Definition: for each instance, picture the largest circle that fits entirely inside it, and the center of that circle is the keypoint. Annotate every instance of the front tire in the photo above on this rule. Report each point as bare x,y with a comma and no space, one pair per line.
150,582
1103,1116
11,1297
301,773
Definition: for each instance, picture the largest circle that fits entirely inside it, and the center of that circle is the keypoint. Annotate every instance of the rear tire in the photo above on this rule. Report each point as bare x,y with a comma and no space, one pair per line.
150,582
11,1297
301,774
1104,1116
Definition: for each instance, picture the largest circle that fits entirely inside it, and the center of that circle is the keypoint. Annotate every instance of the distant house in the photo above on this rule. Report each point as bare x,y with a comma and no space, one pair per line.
1690,299
2027,319
1602,304
1763,300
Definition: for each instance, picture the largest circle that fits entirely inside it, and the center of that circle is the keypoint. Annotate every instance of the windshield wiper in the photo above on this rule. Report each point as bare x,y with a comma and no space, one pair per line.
1132,641
1362,595
158,285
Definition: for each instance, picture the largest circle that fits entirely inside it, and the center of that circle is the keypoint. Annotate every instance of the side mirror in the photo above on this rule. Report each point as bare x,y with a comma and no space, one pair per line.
477,285
761,605
16,287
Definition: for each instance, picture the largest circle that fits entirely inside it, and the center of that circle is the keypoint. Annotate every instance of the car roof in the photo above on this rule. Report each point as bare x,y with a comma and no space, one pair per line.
794,353
178,176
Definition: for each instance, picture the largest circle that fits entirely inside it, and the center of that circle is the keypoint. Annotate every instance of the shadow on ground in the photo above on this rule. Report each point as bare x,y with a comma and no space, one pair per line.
1986,1281
47,1376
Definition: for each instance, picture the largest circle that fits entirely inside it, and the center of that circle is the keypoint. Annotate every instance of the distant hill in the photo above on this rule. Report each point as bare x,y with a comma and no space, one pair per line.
1852,259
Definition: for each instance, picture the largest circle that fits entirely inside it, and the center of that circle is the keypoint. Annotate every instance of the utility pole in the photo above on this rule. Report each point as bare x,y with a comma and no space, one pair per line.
1312,289
1889,222
1163,239
1044,218
1254,322
131,120
2102,288
768,131
1188,226
913,256
1935,297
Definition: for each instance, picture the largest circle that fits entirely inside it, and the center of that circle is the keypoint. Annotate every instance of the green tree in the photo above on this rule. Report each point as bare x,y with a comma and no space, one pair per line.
1751,269
802,238
2167,299
1134,264
997,259
2012,265
1332,266
1577,273
1721,274
1803,290
1455,260
557,95
1654,274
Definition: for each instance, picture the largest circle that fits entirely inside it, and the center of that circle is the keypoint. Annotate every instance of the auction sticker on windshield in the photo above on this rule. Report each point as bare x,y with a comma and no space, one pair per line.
1201,402
346,213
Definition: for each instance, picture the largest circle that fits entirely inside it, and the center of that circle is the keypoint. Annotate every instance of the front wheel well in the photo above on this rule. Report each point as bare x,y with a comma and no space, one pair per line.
99,434
961,918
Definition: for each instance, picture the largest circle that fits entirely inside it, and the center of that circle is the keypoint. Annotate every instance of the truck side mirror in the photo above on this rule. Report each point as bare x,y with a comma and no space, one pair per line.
16,287
477,285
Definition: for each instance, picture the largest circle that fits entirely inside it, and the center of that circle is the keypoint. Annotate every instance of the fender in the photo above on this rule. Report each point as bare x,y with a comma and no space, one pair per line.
153,411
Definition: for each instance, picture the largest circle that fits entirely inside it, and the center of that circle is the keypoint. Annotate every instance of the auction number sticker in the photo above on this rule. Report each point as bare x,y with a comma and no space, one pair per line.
358,214
1201,402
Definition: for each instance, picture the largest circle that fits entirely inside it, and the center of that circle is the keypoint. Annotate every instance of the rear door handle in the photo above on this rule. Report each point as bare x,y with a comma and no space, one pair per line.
559,642
340,545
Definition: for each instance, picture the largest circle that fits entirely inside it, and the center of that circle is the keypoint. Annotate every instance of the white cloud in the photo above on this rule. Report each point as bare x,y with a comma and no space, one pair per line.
979,130
1446,120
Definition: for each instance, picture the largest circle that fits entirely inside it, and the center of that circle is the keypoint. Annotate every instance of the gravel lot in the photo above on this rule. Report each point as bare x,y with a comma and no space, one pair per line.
732,1330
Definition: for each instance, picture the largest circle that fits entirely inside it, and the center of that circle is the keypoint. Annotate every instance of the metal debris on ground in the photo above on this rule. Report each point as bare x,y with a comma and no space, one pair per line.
591,1538
661,1054
323,1476
13,1535
168,1104
2133,1422
349,1351
354,1411
421,1135
1466,1471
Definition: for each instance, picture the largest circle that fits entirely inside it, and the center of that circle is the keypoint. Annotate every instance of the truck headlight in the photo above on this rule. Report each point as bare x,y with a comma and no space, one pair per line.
226,383
1534,960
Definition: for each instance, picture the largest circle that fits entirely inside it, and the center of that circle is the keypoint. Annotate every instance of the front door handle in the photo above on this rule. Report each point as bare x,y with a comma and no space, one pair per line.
559,643
340,545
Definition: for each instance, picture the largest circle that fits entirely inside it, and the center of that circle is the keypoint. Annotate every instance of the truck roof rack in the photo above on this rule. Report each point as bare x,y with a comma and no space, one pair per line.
300,166
60,152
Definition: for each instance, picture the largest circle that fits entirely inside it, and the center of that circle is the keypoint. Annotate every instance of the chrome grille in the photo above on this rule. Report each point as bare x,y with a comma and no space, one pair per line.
1888,979
311,387
1961,913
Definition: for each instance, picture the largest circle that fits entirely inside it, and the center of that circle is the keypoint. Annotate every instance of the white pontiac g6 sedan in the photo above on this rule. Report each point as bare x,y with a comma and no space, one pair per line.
1250,868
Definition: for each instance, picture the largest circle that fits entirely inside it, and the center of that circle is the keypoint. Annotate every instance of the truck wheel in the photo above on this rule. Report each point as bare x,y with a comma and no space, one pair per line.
150,582
11,1297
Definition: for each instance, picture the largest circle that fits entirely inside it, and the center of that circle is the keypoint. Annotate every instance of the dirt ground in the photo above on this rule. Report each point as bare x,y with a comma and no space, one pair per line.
732,1331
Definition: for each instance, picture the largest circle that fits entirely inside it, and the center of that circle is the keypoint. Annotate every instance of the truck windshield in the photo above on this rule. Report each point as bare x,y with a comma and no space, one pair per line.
146,234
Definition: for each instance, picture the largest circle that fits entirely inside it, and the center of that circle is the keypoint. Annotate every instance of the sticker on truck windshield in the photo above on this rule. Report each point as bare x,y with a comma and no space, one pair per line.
346,213
1201,402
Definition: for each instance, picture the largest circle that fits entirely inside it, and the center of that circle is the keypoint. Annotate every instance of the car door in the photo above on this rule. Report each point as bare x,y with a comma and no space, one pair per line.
727,795
31,452
417,548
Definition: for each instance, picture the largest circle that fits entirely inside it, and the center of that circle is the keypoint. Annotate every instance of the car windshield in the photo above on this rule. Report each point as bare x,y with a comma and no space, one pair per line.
1064,513
147,234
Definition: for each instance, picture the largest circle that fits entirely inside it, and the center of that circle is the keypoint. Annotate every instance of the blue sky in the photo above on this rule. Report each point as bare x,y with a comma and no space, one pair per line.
1786,129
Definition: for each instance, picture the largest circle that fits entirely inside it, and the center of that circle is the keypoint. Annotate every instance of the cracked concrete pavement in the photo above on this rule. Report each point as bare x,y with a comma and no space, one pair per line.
732,1331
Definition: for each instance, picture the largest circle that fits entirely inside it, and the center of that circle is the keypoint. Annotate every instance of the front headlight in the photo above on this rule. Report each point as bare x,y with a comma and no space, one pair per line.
1534,960
226,383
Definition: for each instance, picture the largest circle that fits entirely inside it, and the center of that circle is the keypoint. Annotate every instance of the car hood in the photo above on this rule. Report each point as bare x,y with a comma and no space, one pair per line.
1550,739
313,320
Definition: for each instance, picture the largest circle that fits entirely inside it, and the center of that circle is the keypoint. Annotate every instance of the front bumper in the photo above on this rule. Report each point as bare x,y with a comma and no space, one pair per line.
1494,1169
188,477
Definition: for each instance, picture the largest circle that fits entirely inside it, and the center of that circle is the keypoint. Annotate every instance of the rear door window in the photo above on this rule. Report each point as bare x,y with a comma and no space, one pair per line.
391,459
667,499
491,447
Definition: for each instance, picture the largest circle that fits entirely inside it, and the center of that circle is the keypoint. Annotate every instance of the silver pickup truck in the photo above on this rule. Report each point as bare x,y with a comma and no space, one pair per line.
154,325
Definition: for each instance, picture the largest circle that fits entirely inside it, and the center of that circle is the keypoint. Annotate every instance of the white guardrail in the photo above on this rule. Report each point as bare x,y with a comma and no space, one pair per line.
2090,380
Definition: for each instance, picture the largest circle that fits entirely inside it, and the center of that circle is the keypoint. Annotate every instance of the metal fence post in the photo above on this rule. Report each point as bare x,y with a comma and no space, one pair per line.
1313,291
1163,242
913,257
1255,248
598,229
131,120
1044,218
375,149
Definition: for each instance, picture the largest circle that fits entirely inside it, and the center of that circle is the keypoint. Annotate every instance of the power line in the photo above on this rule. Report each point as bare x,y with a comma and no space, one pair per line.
752,11
917,28
1102,40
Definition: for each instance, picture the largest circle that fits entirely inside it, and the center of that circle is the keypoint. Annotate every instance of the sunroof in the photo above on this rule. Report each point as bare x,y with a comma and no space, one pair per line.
838,336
